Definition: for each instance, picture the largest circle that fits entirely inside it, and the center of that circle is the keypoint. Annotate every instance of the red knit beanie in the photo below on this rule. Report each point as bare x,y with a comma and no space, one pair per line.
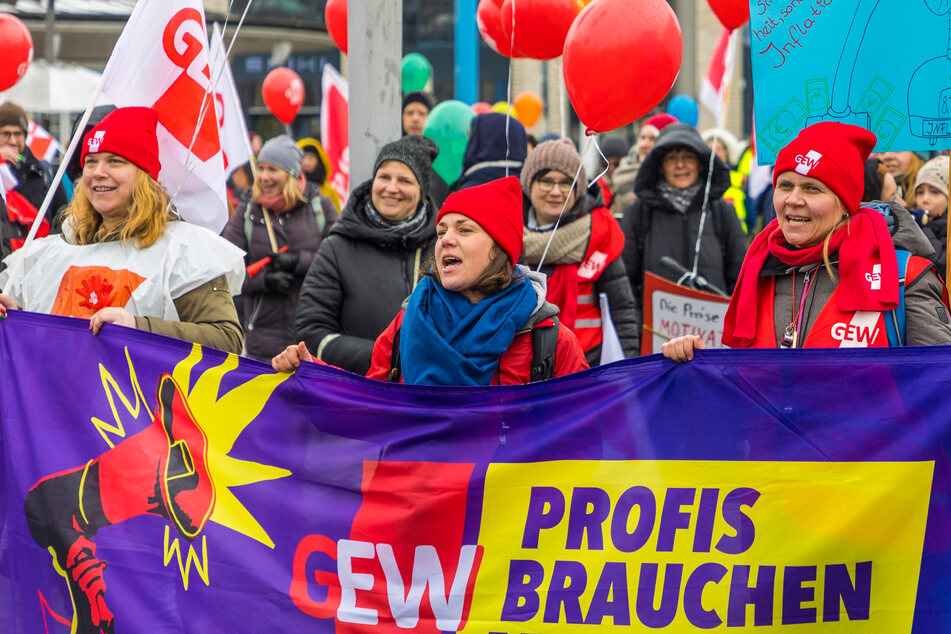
661,120
833,153
496,207
129,133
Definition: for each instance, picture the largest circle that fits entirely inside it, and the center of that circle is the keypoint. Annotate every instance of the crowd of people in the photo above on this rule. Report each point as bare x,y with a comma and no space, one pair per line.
519,271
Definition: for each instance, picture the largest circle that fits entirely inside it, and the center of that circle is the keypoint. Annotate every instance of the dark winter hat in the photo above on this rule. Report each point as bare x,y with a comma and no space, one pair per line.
418,96
558,155
415,151
129,133
282,152
614,147
497,207
12,114
833,153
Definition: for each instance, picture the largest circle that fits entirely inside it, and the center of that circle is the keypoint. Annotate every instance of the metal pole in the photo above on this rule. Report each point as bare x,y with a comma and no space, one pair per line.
375,36
467,52
49,34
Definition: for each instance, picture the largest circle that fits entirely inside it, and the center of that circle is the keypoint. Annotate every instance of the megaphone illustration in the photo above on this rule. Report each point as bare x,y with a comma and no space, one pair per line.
162,471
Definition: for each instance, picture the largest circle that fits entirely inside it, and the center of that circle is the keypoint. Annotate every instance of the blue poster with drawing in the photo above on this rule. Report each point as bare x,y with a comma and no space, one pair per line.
884,65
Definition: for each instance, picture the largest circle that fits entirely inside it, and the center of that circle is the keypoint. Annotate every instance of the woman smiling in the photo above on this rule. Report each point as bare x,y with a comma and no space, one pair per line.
287,209
369,263
825,272
123,256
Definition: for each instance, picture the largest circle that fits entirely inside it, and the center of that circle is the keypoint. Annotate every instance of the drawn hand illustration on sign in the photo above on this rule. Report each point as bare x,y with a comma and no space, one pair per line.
829,47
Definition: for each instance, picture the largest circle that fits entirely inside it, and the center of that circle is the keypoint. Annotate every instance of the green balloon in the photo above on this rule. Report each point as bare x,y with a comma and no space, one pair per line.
448,125
416,72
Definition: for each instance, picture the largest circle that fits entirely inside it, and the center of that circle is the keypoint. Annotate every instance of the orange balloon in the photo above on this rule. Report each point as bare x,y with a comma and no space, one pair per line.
529,108
582,4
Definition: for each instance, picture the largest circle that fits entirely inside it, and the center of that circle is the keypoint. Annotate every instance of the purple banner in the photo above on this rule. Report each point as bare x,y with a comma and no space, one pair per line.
150,485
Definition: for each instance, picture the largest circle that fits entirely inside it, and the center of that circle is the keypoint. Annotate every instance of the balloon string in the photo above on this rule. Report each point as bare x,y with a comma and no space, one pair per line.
508,90
562,213
703,211
189,163
597,146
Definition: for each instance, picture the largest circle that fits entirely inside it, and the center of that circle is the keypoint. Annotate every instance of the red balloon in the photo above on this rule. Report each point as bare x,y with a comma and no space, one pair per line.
335,16
283,93
481,107
16,50
732,13
620,60
489,21
540,26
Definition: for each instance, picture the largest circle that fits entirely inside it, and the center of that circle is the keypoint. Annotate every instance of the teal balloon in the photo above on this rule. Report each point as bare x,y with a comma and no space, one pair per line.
416,72
448,125
684,107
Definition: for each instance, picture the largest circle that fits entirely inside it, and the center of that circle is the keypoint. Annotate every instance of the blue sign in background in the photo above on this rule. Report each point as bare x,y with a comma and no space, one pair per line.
880,64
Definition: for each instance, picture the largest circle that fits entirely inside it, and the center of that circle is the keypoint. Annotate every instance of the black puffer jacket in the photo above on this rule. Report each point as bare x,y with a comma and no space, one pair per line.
269,316
653,228
357,283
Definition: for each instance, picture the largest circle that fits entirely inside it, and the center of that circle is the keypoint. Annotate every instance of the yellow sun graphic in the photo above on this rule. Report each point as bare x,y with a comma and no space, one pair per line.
223,418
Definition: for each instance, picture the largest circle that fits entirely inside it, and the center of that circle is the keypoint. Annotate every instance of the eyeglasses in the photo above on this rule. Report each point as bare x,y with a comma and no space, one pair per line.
546,185
16,134
685,157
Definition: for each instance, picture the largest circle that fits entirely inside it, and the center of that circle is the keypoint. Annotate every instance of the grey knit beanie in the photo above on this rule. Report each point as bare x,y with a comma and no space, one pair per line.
560,155
415,151
282,152
12,114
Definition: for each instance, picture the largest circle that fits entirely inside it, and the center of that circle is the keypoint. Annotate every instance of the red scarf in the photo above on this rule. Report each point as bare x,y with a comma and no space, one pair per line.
606,237
861,244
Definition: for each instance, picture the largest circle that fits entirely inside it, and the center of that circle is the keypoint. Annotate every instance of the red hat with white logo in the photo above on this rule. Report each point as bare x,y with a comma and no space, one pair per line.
129,133
831,152
497,207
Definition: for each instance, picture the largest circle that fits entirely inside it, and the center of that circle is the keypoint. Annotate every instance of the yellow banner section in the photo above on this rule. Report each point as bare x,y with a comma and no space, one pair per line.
682,546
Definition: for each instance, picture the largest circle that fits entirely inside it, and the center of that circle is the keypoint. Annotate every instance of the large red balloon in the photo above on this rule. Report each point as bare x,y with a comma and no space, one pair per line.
732,13
283,93
16,50
539,26
620,60
335,16
489,21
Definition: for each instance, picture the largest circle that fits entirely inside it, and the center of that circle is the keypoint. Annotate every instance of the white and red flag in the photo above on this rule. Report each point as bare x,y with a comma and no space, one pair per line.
43,144
716,85
232,129
335,129
161,60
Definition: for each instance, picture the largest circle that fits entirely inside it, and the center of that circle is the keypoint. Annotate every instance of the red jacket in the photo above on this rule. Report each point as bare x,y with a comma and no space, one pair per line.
515,366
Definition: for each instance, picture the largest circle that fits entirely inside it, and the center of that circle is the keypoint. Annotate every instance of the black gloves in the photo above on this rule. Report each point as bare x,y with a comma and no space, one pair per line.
286,261
278,281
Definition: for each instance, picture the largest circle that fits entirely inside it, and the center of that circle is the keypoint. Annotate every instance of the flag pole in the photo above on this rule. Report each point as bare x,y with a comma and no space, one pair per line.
58,177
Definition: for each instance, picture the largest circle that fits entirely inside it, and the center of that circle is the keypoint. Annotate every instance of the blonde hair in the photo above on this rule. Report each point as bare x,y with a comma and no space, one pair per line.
908,180
291,192
842,222
144,222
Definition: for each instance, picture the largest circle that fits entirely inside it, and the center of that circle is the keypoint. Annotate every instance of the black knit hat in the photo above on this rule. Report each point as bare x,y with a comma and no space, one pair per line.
415,151
12,114
418,96
614,147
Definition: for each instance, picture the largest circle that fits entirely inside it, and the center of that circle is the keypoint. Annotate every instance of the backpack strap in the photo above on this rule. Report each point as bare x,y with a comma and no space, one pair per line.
248,224
895,319
544,347
395,375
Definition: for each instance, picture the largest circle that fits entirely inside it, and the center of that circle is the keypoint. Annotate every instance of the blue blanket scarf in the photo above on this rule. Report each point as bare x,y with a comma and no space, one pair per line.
445,340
